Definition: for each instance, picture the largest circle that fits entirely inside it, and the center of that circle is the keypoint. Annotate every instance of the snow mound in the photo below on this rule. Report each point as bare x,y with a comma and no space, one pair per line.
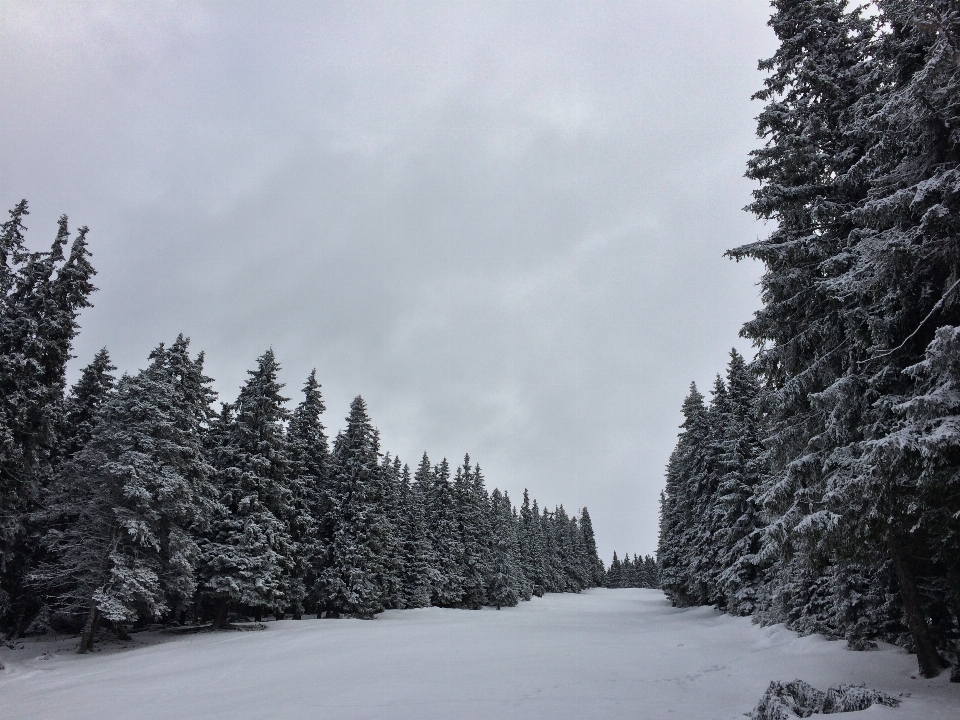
797,699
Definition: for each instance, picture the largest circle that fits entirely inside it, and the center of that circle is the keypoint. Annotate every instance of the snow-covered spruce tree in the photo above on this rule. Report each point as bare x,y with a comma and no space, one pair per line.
590,546
505,576
533,547
524,584
614,572
736,515
83,403
41,295
584,567
309,526
859,173
811,178
904,278
444,532
246,555
700,541
474,514
921,459
526,540
677,504
418,574
132,499
350,583
553,535
393,523
652,572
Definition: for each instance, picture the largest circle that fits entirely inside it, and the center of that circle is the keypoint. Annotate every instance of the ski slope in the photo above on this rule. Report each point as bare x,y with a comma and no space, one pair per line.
601,654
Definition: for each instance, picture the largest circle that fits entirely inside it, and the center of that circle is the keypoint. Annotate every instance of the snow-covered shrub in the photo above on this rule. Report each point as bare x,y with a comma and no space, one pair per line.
797,699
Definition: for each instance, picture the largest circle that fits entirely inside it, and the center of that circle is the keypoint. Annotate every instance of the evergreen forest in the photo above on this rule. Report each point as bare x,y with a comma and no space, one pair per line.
130,501
819,484
641,572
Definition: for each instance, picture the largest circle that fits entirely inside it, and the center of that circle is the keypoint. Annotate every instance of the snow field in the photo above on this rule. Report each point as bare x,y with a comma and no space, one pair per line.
601,654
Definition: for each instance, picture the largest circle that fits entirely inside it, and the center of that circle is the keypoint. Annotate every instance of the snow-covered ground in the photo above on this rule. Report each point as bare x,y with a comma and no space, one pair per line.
601,654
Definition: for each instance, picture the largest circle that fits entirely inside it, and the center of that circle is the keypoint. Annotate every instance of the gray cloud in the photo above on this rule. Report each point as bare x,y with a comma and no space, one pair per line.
502,223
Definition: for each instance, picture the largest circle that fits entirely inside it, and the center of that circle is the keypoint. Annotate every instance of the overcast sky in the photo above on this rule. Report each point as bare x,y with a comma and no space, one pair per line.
503,224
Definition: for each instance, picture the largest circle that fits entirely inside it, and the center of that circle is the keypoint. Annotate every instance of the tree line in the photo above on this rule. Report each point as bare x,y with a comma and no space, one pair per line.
641,572
820,484
132,500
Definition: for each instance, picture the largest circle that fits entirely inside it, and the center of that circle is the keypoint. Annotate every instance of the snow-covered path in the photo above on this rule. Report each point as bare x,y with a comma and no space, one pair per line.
601,654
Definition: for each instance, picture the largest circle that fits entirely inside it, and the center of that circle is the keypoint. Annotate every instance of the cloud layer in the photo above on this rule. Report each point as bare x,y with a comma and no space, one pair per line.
501,223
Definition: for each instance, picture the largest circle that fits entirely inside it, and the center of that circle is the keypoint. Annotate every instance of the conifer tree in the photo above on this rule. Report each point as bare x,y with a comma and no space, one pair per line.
504,575
537,559
83,404
597,572
247,554
392,520
419,562
677,509
474,515
736,513
134,497
444,533
350,582
614,574
309,526
41,295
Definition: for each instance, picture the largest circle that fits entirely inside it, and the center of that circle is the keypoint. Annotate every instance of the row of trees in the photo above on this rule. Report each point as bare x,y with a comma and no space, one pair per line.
131,499
820,486
641,572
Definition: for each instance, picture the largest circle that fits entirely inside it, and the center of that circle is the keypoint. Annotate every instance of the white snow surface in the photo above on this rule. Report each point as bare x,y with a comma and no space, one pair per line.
600,654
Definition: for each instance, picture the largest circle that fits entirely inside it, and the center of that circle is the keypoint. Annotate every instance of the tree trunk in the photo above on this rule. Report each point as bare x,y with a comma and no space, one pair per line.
121,630
89,631
931,664
279,615
219,614
258,614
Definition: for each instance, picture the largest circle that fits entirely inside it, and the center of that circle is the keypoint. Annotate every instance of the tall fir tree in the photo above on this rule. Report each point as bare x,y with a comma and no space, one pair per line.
474,516
133,499
444,532
41,296
247,556
83,404
350,582
504,574
419,574
309,526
